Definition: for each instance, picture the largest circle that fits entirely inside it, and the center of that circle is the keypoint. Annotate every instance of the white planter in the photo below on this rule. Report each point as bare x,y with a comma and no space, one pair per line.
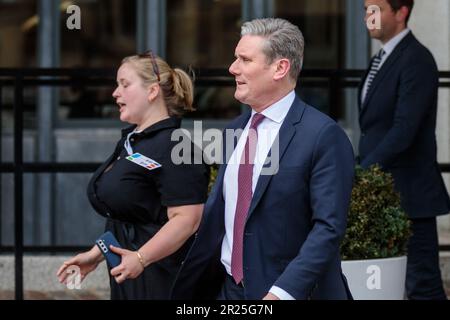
380,279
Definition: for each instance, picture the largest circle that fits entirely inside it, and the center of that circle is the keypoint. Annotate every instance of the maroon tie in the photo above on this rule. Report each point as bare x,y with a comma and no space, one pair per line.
244,197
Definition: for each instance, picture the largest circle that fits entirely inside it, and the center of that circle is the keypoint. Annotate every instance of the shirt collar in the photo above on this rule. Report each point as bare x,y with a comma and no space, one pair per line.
172,122
391,44
278,111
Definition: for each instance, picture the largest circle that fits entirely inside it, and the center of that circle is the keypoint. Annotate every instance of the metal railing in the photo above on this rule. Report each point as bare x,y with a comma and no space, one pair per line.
332,80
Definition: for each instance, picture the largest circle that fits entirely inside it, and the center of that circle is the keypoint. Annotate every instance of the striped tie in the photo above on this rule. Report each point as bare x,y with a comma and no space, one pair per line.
374,68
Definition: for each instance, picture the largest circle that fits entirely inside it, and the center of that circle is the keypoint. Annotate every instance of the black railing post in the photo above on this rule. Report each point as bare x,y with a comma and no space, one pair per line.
18,186
1,159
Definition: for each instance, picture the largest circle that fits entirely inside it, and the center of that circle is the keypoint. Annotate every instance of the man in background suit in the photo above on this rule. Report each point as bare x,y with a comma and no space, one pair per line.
274,231
398,105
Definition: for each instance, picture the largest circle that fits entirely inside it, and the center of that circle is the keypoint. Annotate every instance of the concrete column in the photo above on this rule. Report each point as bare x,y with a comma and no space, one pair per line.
48,57
151,26
430,22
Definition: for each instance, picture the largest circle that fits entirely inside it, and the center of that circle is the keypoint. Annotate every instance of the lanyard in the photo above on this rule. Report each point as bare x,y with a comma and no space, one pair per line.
127,144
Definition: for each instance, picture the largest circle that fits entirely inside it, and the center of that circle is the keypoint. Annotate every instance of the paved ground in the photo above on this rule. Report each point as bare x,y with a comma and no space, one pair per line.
58,295
76,295
104,294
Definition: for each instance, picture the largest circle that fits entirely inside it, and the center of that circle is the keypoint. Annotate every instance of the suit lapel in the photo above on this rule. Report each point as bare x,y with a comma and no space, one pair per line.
241,122
287,132
361,86
385,69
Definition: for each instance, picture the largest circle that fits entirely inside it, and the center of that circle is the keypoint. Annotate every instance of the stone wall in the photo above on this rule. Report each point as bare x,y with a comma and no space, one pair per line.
430,22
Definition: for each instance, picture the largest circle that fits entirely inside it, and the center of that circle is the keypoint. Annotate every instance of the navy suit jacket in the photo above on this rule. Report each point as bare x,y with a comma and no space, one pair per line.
398,123
296,220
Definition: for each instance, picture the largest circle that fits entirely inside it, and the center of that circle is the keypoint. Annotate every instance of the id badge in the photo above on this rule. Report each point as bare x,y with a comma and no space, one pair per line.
143,161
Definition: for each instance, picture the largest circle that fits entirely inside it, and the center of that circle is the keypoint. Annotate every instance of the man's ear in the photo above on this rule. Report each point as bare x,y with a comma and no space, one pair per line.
402,14
153,91
283,67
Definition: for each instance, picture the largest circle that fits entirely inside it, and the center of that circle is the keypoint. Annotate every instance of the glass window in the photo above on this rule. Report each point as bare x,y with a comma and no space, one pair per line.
321,22
107,34
322,25
17,33
203,34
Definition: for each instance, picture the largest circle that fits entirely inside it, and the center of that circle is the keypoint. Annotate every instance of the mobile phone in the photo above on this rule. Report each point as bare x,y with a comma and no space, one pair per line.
103,243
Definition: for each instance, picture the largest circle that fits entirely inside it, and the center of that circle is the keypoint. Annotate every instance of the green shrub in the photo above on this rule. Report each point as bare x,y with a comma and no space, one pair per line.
213,170
377,226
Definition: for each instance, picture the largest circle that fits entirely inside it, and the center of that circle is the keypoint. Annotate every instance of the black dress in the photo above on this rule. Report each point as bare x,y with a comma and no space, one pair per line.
134,200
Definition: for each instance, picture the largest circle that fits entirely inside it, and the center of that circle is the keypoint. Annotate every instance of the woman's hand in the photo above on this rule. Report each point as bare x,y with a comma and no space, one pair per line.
86,262
183,222
130,266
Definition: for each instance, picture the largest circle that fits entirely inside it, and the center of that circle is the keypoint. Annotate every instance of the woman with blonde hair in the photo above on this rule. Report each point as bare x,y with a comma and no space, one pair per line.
153,209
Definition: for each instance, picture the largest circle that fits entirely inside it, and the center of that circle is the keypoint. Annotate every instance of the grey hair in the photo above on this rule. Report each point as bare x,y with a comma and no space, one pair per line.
284,40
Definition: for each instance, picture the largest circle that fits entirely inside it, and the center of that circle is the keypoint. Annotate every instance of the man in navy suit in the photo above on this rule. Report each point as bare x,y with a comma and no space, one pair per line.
274,220
398,103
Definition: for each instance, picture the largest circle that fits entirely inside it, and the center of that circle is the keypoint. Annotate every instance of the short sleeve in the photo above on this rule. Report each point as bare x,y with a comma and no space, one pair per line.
182,184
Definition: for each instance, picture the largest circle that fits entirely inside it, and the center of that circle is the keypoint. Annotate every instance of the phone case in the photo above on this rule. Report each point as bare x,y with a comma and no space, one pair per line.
103,243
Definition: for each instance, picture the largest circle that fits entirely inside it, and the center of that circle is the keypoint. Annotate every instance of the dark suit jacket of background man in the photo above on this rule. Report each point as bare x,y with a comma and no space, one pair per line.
296,219
398,123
